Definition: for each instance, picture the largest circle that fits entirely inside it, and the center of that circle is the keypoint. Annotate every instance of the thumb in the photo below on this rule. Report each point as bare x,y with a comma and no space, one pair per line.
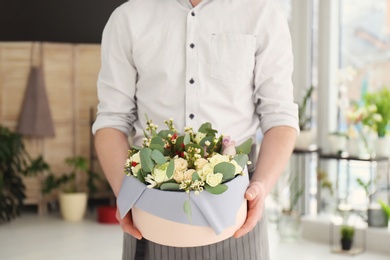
252,192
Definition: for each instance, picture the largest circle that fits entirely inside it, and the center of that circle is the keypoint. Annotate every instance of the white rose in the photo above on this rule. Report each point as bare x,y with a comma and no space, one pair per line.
218,158
206,170
180,164
160,173
188,174
214,179
135,158
199,163
135,169
238,167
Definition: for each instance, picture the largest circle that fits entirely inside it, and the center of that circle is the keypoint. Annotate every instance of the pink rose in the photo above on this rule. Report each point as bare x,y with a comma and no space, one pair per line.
228,146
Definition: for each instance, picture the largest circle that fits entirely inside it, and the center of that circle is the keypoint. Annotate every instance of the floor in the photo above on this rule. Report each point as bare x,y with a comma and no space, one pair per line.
40,238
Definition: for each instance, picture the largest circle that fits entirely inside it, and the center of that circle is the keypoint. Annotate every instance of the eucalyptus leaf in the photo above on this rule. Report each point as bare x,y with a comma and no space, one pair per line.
219,189
241,159
207,138
165,133
157,140
140,176
203,128
245,147
158,157
227,169
187,139
157,147
147,163
187,210
170,186
195,176
171,169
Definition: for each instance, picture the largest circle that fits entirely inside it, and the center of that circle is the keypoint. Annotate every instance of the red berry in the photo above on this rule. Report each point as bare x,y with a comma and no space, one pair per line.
134,164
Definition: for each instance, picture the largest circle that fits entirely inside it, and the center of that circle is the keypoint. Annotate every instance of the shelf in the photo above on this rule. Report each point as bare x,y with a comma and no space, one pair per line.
352,158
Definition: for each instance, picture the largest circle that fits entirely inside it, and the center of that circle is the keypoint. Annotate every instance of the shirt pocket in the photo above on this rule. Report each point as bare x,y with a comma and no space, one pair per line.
232,56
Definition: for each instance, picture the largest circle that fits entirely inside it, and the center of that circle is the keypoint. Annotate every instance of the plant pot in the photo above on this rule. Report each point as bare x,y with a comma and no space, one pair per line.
346,244
376,217
382,147
289,225
337,143
73,206
107,215
176,234
160,217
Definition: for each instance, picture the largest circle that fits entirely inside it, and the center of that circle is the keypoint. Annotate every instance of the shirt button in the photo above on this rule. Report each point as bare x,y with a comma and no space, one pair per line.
192,45
191,116
192,81
193,13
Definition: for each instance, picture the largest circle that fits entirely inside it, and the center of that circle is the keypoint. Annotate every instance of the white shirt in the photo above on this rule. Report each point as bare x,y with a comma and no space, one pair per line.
227,62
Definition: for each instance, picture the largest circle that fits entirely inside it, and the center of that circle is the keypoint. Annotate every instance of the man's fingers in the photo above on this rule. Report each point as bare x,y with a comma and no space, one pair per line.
249,224
253,191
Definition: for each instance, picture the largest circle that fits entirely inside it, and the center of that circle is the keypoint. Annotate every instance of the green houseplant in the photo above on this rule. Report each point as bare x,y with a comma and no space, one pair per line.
306,136
380,101
14,163
347,233
73,187
289,219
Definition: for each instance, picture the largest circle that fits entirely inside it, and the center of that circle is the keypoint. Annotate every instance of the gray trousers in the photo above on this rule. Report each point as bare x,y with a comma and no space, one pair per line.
252,246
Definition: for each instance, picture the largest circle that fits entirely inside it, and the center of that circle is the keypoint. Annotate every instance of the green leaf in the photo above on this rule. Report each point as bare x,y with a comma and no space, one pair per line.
203,128
187,210
241,159
179,142
140,176
227,169
136,147
207,138
164,134
156,147
245,147
385,208
170,186
195,176
187,139
147,163
157,140
219,189
170,169
158,157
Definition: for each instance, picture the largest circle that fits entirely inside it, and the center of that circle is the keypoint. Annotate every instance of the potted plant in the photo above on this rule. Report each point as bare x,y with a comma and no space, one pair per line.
337,142
306,136
289,219
386,210
347,233
73,188
380,101
15,162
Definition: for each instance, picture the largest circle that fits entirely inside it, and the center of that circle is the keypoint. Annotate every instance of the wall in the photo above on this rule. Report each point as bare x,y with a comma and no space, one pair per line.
70,74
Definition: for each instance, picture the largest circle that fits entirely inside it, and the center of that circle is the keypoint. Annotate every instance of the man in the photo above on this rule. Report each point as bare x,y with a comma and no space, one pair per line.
228,62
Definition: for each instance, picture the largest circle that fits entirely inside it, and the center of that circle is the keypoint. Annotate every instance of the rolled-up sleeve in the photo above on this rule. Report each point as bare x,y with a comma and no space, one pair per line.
273,93
117,77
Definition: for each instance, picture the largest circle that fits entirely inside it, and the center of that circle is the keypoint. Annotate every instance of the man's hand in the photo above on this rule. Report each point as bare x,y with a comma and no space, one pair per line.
255,194
127,225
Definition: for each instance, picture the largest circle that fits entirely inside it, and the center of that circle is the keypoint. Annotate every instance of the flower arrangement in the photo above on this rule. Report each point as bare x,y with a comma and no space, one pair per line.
194,161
